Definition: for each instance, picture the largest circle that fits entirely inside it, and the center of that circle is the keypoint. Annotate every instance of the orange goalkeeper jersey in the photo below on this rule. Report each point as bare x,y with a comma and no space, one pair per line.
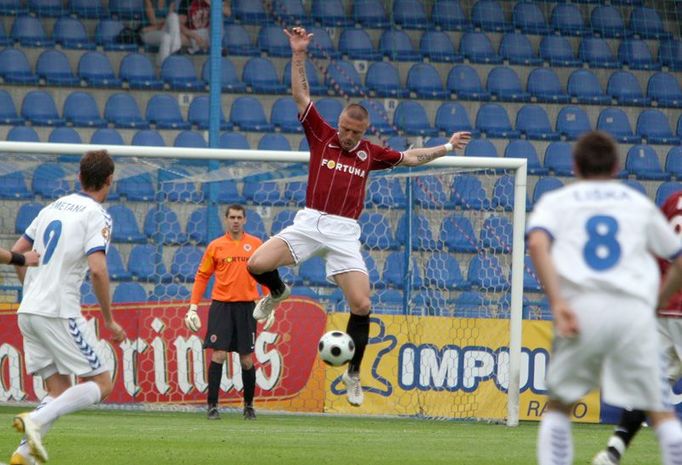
226,258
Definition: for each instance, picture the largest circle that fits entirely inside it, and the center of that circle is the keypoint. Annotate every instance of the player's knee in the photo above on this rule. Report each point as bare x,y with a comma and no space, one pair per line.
361,306
255,265
106,386
246,362
219,356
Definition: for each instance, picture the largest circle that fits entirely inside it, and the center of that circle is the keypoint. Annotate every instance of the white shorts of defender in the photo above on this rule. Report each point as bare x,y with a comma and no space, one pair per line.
62,345
334,238
618,349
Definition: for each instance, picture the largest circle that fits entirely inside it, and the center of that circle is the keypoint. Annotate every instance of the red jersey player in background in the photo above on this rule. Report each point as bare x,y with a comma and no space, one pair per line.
670,330
340,162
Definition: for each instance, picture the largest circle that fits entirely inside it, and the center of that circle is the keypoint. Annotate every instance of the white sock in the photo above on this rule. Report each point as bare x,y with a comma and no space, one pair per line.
670,440
555,444
23,448
73,399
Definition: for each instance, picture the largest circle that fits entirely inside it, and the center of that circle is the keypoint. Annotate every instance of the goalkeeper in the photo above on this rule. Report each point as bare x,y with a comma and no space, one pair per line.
231,327
340,162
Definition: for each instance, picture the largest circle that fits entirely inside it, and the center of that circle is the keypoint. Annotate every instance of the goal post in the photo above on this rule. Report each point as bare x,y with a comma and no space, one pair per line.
425,378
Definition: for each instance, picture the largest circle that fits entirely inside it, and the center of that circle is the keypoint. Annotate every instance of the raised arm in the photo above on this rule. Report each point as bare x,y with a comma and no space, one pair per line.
416,157
299,40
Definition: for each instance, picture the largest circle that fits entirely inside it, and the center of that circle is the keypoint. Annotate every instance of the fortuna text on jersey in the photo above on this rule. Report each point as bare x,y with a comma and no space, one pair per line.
333,165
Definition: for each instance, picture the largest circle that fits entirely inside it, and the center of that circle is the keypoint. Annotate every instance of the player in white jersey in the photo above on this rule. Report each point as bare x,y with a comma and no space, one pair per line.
30,258
592,244
71,235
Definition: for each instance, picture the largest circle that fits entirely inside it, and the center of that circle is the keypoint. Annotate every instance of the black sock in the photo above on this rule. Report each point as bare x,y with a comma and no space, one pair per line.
215,373
358,330
249,380
628,426
271,280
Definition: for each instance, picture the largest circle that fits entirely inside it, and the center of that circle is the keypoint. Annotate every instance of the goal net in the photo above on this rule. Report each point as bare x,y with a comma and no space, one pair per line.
443,244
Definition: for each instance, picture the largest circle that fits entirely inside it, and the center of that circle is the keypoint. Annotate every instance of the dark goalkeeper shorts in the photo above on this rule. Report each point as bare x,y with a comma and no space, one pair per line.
231,327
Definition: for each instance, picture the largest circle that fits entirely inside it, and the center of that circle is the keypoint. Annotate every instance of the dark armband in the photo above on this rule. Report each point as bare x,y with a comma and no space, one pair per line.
17,259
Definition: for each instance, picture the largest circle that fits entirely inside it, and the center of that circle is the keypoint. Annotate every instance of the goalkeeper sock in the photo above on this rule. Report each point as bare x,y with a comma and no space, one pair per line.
271,280
215,374
358,330
628,426
249,381
555,444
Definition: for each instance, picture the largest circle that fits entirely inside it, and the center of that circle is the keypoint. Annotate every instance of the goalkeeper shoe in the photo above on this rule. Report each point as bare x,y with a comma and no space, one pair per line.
18,459
23,424
354,392
605,458
213,413
249,413
267,304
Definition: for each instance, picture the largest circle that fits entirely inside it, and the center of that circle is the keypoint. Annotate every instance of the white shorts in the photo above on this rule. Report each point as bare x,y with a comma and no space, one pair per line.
334,238
60,345
670,331
618,349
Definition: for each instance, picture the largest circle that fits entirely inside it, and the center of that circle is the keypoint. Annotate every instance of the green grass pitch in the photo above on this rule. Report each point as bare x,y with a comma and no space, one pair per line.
108,437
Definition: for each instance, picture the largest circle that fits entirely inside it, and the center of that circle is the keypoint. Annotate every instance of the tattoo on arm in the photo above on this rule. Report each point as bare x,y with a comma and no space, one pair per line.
300,68
427,157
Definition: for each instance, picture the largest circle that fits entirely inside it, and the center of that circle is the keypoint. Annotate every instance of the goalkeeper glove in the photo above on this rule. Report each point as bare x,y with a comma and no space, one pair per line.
192,321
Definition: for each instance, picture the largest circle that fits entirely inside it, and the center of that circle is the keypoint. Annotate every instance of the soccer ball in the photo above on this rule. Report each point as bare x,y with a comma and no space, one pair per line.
336,348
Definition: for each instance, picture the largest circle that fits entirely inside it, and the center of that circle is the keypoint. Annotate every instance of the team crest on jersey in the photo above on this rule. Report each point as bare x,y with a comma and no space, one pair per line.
106,233
362,155
247,247
214,338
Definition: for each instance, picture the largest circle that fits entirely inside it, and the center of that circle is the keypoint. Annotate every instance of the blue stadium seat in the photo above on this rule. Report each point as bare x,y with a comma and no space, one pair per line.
316,88
635,54
89,9
39,108
370,14
477,48
96,70
138,71
486,272
49,181
384,81
545,184
449,16
665,189
616,122
437,47
670,54
234,140
397,46
378,117
457,234
607,21
567,20
106,33
532,120
282,219
480,148
357,45
138,187
29,32
12,183
558,159
463,81
422,236
642,161
65,135
169,292
313,272
223,191
291,12
295,192
284,115
247,113
385,192
557,51
496,234
673,162
429,192
321,45
15,69
452,117
129,293
595,51
106,136
229,81
190,139
394,271
411,117
343,78
517,50
115,267
22,134
148,138
636,185
70,33
664,89
679,127
467,192
471,304
13,7
443,271
54,68
263,193
504,83
127,9
397,143
8,111
260,75
410,14
145,263
236,41
544,85
174,186
646,23
572,122
126,228
528,18
424,81
87,294
198,114
654,127
164,112
249,12
178,72
274,142
503,193
493,121
80,109
271,40
525,149
5,40
624,87
185,263
388,302
530,276
161,225
25,215
330,13
584,86
377,233
488,16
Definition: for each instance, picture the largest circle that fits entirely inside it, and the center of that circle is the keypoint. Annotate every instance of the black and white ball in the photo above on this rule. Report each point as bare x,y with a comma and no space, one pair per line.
336,348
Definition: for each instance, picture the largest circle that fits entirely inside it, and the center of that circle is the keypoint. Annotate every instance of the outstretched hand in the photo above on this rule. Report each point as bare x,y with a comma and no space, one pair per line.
460,139
299,39
565,320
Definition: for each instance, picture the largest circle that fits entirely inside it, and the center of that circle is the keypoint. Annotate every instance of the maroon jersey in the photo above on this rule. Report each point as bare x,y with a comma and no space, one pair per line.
672,209
336,178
